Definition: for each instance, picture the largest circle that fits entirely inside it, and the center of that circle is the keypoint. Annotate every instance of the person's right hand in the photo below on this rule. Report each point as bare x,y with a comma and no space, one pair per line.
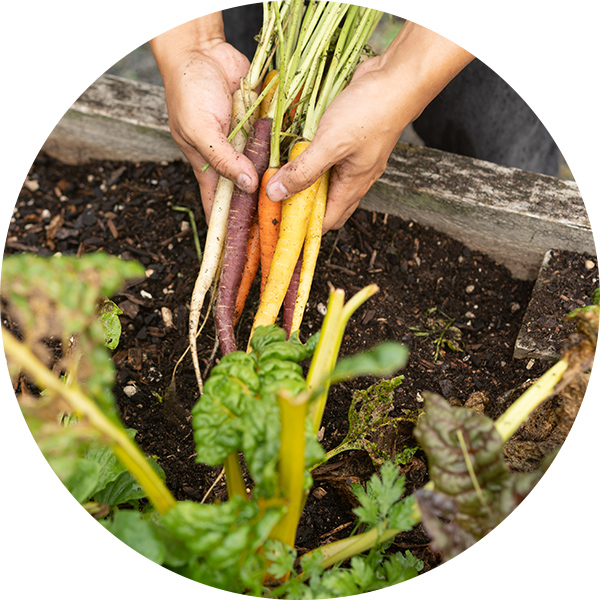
359,130
200,72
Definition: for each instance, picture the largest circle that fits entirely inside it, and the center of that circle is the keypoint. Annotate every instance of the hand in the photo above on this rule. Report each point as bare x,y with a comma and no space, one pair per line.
359,130
356,137
200,72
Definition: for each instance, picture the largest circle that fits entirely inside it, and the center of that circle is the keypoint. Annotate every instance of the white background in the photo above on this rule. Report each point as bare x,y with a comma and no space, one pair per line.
52,51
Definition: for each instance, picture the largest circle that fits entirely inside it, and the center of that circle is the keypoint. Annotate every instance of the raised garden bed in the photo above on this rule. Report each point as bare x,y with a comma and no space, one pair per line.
434,266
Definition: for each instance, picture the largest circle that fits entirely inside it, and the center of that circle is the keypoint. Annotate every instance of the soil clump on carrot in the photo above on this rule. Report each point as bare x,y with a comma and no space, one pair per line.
427,280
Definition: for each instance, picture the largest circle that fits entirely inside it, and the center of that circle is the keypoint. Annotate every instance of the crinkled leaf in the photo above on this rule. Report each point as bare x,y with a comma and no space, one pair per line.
216,416
265,336
239,412
221,534
468,501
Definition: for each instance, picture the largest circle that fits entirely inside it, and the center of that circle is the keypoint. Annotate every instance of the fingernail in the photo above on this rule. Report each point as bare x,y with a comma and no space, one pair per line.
276,191
244,182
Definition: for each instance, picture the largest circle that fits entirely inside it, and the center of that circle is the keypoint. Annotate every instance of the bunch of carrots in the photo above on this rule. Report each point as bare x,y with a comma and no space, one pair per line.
305,56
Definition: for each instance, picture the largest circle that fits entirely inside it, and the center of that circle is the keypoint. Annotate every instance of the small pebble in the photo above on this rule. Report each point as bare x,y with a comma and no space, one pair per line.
185,226
589,264
130,390
167,316
530,364
32,185
145,294
470,289
321,308
514,307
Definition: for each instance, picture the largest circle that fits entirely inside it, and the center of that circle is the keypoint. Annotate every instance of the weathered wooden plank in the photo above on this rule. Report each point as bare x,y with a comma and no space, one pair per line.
115,119
511,215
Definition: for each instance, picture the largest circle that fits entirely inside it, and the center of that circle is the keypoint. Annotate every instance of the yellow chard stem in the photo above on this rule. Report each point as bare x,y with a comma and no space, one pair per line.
324,357
234,478
519,411
291,464
125,449
330,342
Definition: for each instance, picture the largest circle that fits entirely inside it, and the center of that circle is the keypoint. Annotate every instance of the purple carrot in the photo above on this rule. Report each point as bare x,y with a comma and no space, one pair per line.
241,211
289,302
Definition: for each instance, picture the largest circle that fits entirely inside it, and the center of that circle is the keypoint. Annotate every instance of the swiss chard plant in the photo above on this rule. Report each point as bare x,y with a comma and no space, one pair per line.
257,404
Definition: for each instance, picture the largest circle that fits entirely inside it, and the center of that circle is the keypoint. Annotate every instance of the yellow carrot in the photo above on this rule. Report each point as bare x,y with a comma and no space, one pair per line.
265,105
312,245
295,214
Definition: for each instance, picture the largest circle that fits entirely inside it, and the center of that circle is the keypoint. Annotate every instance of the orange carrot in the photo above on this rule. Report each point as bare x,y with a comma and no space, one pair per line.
269,219
250,270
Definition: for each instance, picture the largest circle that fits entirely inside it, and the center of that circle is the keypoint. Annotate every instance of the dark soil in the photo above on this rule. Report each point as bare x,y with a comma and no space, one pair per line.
427,282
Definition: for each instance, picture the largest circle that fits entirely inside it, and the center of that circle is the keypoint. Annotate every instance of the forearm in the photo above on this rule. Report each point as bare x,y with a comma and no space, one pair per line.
419,64
178,44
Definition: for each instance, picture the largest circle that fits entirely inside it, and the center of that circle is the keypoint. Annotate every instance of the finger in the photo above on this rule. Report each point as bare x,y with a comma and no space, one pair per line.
220,155
301,172
336,216
208,184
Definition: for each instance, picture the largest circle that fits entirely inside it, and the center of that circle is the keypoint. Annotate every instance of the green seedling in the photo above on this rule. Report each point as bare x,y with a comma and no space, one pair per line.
437,325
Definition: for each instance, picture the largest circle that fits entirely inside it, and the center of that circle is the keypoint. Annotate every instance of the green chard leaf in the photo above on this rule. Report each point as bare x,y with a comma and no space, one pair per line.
57,298
222,534
239,412
384,359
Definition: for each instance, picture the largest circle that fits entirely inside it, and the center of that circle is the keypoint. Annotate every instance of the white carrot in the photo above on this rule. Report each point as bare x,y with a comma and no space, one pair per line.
216,231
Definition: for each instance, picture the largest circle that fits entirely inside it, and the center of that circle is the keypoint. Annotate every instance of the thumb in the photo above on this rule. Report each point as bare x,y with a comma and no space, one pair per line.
300,173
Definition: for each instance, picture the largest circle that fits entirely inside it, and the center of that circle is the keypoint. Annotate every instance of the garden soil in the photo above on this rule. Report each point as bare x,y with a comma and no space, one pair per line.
458,313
